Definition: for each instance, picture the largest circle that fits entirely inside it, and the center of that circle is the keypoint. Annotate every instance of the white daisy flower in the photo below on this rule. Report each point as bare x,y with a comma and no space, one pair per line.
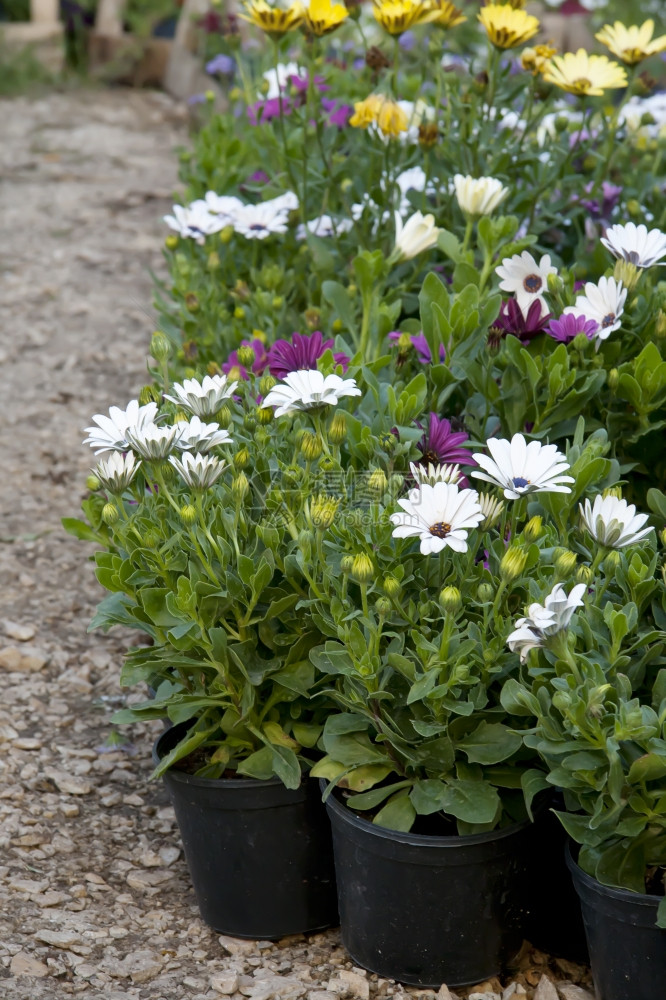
152,442
324,226
603,303
478,195
256,222
305,390
194,222
440,515
432,474
545,620
520,468
202,398
613,522
417,235
522,275
287,202
199,436
199,472
110,433
636,244
116,472
224,206
413,179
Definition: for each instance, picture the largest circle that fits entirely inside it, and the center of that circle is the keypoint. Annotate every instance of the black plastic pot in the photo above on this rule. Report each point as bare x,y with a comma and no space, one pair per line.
627,949
259,854
430,910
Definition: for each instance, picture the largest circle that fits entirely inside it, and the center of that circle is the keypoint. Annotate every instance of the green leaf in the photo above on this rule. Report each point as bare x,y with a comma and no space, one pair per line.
366,776
338,296
398,813
182,749
471,801
286,766
371,799
428,796
73,526
258,765
649,767
490,743
532,782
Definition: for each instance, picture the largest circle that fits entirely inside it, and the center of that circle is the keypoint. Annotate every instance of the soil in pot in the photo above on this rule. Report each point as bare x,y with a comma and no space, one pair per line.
427,910
627,949
259,854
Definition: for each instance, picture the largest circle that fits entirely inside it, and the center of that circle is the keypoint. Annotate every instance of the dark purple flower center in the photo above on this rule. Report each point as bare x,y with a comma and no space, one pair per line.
520,483
440,529
258,226
532,283
608,320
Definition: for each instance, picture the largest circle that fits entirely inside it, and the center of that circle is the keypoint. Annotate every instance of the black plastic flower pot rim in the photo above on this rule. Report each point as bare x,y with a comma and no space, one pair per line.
643,899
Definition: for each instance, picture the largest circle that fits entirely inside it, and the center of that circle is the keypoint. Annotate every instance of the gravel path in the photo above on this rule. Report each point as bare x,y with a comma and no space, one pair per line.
95,899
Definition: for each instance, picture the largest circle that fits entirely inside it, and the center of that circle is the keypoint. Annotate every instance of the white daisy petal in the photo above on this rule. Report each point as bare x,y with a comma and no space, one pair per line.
545,620
520,468
304,390
635,244
613,522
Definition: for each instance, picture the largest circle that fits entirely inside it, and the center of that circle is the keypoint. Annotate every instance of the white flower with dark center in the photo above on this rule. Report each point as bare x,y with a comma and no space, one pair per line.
522,275
110,433
306,390
478,195
324,226
440,515
545,620
613,522
636,244
520,468
152,442
432,474
603,303
416,236
202,398
194,222
116,472
197,436
199,472
256,222
224,206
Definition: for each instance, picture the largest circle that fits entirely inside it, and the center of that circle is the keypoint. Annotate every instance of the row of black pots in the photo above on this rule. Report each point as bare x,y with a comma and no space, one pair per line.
419,909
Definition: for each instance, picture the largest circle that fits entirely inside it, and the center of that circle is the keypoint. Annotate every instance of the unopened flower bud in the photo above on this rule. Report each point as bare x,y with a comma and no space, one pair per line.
188,514
613,379
322,511
485,592
293,475
266,383
213,263
240,487
110,513
171,242
405,344
249,421
612,561
565,564
377,482
612,491
662,537
534,528
241,459
263,414
311,446
151,539
223,416
226,234
627,273
450,600
660,325
239,312
383,606
428,134
634,207
246,355
555,284
337,429
312,319
261,437
581,343
363,570
337,325
391,586
346,564
192,302
305,544
92,483
513,563
149,394
584,575
327,463
461,673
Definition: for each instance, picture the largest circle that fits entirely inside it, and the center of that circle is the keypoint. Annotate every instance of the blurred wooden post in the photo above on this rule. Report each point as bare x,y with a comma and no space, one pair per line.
43,32
185,74
109,18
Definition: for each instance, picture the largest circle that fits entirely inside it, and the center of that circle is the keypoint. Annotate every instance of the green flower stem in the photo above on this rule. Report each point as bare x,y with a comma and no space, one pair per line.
469,229
494,57
559,645
364,598
157,472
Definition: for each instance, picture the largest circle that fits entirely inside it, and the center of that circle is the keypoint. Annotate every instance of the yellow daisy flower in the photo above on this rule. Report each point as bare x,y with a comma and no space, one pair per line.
396,16
634,44
583,74
323,16
275,21
448,15
507,27
535,59
366,111
391,118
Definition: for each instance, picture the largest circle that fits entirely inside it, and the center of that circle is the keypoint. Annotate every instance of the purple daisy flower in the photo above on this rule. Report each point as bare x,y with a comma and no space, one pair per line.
569,326
224,65
338,114
301,354
527,325
300,83
441,446
264,111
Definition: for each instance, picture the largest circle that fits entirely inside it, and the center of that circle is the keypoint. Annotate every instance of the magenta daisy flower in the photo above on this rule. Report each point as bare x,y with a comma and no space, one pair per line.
523,324
442,446
301,354
569,326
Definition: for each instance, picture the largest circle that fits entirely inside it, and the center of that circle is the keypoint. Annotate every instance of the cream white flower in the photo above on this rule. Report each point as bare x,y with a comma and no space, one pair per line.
440,515
198,471
492,507
636,244
110,433
545,620
613,522
306,390
418,234
194,222
256,222
202,398
479,195
287,202
324,226
152,442
224,206
520,468
522,275
116,472
198,436
604,303
432,474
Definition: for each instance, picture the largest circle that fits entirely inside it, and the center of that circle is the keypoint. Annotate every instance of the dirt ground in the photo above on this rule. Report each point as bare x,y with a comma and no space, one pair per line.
95,899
